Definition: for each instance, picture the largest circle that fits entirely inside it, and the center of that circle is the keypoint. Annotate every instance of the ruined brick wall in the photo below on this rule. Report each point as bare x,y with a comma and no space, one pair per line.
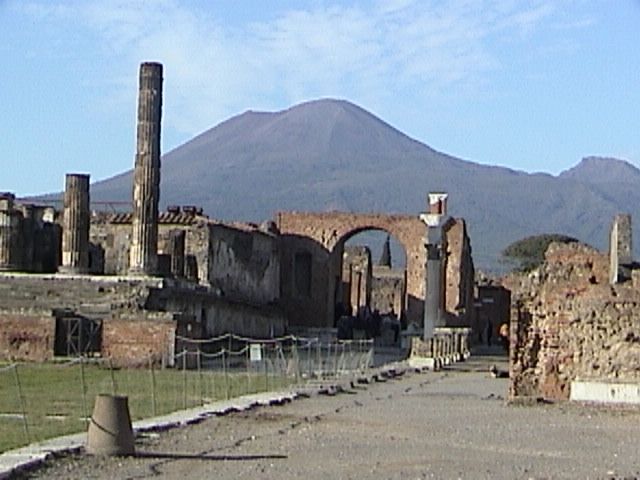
111,234
215,315
356,277
459,276
324,236
387,290
30,237
244,265
130,341
568,323
27,335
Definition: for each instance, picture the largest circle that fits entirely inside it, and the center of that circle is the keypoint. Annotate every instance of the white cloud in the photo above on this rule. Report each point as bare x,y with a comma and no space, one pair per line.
367,53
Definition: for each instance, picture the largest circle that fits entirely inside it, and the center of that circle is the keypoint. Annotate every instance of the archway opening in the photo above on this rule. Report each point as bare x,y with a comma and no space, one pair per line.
371,286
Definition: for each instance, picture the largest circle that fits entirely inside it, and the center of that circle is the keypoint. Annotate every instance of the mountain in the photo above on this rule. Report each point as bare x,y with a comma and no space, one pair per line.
333,155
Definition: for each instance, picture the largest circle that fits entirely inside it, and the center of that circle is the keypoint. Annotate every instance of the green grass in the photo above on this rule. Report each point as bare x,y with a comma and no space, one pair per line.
57,398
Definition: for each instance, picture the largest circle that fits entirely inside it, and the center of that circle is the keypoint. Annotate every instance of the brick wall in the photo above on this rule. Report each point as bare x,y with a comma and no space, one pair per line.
136,341
27,336
568,323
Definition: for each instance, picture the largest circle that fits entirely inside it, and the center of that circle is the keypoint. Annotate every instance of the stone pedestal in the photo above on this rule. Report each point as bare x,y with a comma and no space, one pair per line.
110,432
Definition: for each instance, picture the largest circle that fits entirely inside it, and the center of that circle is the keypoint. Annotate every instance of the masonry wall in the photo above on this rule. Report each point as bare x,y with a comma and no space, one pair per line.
307,307
111,234
244,265
323,235
568,323
136,342
459,276
387,290
27,336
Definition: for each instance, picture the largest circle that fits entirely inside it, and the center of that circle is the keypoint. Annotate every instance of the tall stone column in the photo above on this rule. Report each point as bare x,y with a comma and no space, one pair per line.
75,227
432,307
143,257
435,219
9,233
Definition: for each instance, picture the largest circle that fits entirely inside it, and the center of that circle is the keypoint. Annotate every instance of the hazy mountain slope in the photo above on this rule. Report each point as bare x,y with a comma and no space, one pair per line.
333,155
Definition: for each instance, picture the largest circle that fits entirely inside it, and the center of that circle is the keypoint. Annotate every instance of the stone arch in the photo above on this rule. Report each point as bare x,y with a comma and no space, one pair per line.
328,231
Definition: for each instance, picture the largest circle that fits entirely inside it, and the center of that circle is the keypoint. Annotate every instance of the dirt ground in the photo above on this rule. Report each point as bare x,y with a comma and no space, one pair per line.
447,424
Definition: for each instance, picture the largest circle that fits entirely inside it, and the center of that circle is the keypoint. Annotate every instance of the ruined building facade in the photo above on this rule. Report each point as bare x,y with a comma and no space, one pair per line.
140,285
576,318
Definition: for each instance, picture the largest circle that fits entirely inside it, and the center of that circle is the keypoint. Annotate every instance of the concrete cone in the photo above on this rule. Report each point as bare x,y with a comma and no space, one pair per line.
110,431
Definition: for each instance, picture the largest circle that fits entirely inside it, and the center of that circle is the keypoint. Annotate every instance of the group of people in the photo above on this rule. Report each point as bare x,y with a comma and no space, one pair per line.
371,322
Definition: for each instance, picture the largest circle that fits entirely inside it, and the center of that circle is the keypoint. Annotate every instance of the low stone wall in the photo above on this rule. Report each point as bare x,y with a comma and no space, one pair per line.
446,346
27,336
131,342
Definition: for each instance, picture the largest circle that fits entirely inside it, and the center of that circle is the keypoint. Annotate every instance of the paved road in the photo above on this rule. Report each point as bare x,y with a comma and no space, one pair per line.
447,424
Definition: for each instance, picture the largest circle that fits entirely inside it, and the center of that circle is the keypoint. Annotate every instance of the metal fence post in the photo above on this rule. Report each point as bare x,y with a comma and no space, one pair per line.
248,365
84,393
22,405
226,374
114,387
184,378
199,366
154,405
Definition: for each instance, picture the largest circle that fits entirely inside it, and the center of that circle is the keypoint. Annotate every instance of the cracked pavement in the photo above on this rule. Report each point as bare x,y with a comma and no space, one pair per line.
448,424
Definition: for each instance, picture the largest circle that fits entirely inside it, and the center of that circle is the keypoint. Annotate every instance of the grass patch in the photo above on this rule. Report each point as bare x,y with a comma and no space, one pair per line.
57,398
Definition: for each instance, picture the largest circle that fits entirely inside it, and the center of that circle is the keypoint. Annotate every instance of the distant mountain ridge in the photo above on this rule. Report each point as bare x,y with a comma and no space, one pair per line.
333,155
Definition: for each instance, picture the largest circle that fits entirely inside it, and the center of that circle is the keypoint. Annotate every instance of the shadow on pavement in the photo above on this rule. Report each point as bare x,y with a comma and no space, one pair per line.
189,456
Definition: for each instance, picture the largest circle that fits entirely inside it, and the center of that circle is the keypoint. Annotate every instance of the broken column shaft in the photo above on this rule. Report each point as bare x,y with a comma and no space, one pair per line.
75,230
176,248
9,233
620,249
146,183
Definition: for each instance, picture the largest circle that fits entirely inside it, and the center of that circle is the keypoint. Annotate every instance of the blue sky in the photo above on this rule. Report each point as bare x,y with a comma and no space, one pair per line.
532,85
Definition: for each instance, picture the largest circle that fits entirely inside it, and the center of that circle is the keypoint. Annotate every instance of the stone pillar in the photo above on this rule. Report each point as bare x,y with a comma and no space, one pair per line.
432,308
28,234
620,249
435,219
75,227
146,183
9,233
176,248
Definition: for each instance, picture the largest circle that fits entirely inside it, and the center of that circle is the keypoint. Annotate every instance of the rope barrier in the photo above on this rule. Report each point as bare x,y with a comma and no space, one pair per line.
8,367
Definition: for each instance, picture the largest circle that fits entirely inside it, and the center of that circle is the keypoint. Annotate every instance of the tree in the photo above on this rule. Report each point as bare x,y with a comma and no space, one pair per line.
528,253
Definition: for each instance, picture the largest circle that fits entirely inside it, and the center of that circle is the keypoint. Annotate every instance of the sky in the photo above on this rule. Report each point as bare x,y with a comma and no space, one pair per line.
531,85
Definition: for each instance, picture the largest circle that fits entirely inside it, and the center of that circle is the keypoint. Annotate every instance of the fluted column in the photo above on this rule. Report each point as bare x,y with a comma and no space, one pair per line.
75,227
146,183
9,232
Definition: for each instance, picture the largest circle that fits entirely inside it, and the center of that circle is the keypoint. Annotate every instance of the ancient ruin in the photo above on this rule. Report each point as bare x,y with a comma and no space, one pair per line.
146,183
142,284
575,322
75,228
